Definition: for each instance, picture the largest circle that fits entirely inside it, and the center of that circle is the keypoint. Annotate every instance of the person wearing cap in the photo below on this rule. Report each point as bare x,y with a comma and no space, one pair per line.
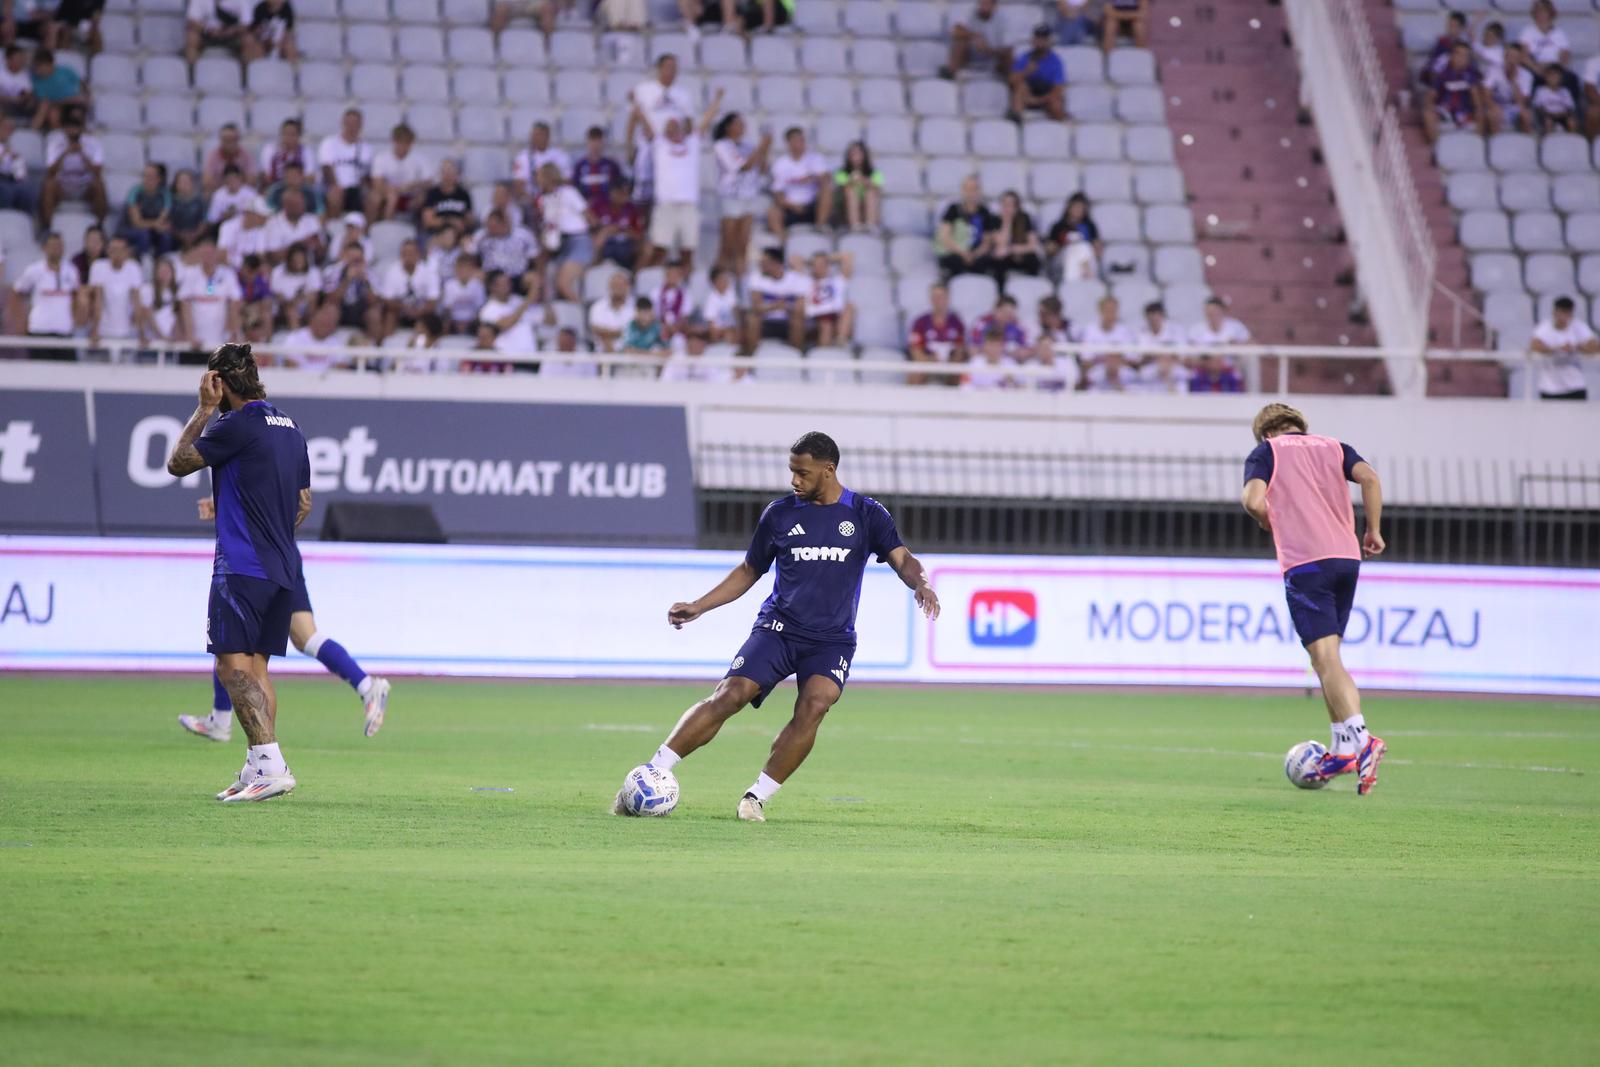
245,234
1038,79
352,229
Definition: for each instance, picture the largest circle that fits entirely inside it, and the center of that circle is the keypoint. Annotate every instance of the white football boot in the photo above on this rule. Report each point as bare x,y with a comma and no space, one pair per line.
202,726
238,784
263,787
750,809
376,702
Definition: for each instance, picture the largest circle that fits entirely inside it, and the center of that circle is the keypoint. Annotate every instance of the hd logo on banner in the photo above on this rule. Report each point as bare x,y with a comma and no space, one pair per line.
1003,618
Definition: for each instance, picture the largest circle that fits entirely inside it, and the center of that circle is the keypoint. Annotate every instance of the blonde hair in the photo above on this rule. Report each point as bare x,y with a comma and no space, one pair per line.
1278,418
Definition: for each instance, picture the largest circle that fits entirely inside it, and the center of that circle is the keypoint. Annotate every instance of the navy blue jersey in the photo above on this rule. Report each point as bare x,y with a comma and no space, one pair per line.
1259,463
822,552
259,464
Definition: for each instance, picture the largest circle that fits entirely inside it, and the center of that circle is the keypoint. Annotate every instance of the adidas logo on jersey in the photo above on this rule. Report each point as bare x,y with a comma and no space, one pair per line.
797,530
837,554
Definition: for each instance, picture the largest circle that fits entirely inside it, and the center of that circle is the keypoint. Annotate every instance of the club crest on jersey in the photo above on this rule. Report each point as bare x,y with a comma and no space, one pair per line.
738,661
847,528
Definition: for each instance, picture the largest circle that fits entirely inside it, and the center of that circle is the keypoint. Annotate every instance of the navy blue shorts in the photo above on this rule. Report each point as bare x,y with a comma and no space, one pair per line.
1320,595
249,615
767,658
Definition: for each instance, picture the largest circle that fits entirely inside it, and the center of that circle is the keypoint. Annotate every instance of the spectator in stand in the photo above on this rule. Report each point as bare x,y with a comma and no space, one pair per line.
1038,80
1489,50
230,199
147,214
830,317
400,175
1591,96
540,153
410,289
939,336
1544,41
427,334
622,16
227,152
993,365
777,302
159,303
721,310
567,344
93,250
1108,371
501,248
73,161
965,235
514,318
462,296
114,294
24,18
673,303
295,180
57,89
322,331
296,284
1553,105
1214,371
1162,372
619,231
272,32
1124,18
216,23
1455,29
286,151
73,21
444,248
1074,25
51,286
643,335
978,39
609,316
658,98
255,305
1017,248
675,223
860,186
543,13
595,172
348,286
1054,329
346,162
208,300
351,230
1510,89
188,215
293,225
503,198
1559,344
1075,242
565,221
1455,97
15,192
16,83
802,192
448,205
488,341
741,171
1004,317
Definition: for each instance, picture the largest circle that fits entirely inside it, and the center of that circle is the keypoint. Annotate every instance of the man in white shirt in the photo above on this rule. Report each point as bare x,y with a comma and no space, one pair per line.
410,288
73,168
246,233
208,300
293,225
978,39
777,302
1545,42
800,193
215,22
675,153
830,316
230,198
51,284
657,99
1559,344
1162,372
1510,87
14,192
322,330
609,315
1214,371
400,175
567,343
1109,371
346,162
525,166
114,284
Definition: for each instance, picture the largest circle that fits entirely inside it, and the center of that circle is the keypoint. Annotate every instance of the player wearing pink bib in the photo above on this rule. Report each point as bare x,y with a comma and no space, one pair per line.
1295,487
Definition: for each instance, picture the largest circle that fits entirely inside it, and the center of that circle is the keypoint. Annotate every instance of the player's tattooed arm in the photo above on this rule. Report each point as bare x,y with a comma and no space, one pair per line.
304,509
185,458
915,576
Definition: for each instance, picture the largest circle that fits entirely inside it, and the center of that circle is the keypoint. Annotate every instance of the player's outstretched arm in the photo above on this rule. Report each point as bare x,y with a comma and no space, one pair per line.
1372,543
735,585
911,572
1255,502
186,458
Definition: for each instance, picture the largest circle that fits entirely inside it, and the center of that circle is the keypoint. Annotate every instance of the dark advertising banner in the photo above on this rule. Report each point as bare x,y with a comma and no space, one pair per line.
506,472
46,479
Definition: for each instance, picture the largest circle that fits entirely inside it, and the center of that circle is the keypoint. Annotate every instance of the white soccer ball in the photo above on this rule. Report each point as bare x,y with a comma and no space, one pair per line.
649,791
1301,761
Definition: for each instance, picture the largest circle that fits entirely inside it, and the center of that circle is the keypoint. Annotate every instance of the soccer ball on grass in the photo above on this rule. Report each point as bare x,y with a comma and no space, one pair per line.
1301,761
649,790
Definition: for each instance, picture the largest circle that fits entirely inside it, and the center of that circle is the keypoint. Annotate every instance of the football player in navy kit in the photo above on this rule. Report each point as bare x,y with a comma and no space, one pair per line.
820,538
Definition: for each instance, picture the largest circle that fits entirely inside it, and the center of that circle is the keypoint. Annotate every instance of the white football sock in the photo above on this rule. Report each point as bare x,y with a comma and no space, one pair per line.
1355,728
313,645
764,787
665,759
1336,731
365,687
268,760
221,718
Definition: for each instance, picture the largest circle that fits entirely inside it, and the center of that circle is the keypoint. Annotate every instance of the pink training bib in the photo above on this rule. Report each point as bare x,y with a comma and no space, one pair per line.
1308,501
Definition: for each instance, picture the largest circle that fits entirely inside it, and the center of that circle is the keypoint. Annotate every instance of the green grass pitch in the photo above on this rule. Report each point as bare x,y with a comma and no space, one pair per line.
958,876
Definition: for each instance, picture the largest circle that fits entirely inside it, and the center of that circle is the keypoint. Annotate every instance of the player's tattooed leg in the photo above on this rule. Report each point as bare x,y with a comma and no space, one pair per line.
250,705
